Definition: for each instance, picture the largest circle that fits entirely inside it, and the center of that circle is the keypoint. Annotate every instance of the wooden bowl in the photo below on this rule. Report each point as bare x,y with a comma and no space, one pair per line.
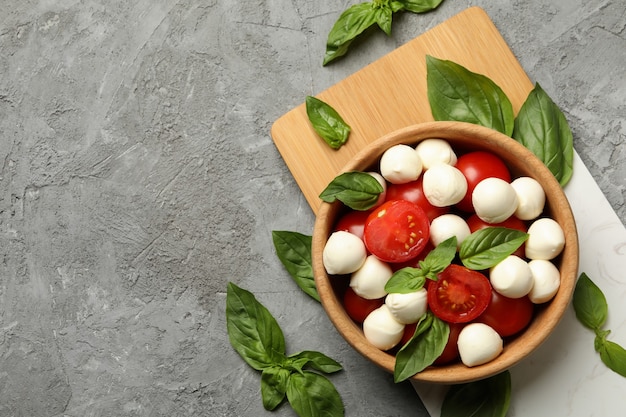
521,162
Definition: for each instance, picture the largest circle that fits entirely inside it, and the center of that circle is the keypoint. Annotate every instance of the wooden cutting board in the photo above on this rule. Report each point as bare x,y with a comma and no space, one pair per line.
390,94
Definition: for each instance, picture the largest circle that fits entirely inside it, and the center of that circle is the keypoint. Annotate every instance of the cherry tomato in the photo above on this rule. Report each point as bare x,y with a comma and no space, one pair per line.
396,231
507,316
357,307
451,351
476,166
476,223
353,222
414,191
409,331
459,295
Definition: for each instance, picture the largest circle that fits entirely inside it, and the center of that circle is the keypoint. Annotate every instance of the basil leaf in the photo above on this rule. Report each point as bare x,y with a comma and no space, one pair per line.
318,361
420,6
273,386
313,395
439,258
589,303
455,93
351,23
294,251
327,122
542,128
357,190
406,280
426,345
487,247
613,356
489,397
252,330
384,15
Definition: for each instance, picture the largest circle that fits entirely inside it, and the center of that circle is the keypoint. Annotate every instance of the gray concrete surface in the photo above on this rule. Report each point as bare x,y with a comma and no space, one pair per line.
138,177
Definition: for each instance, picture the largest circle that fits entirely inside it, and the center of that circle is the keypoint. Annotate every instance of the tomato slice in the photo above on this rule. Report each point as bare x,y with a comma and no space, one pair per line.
396,231
357,307
507,316
459,295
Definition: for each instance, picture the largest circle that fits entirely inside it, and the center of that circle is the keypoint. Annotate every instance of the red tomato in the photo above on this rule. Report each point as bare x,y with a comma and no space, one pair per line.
414,262
358,307
459,295
353,222
451,351
409,331
396,231
476,166
414,191
476,223
507,316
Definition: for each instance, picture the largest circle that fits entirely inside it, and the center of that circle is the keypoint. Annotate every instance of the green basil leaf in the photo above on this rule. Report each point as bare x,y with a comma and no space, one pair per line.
406,280
351,23
589,303
357,190
313,395
420,6
489,397
542,128
252,330
613,356
487,247
274,386
439,258
327,122
294,251
426,345
318,361
384,15
455,93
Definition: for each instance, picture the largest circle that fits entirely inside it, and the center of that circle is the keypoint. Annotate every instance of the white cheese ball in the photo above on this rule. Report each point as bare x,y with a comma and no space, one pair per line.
530,196
432,151
369,280
447,225
407,308
546,239
478,344
383,183
546,281
511,277
494,200
344,253
400,164
444,185
381,329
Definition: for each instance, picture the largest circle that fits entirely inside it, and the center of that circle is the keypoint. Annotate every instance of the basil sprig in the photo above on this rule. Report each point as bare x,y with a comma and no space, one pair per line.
410,279
541,127
592,311
357,190
258,339
294,251
360,17
487,247
327,122
488,397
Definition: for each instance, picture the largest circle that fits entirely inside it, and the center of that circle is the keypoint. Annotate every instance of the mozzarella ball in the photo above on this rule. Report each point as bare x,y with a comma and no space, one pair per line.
447,225
494,200
383,183
400,164
444,185
432,151
546,239
511,277
344,253
478,344
407,308
369,280
546,281
530,198
381,329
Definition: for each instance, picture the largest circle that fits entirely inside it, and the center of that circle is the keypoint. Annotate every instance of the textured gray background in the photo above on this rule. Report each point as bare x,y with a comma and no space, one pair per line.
138,177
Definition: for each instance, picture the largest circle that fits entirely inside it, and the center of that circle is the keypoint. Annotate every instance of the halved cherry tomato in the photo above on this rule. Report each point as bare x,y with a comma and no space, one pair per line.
414,192
507,316
353,222
357,307
476,166
459,295
451,351
396,231
476,223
